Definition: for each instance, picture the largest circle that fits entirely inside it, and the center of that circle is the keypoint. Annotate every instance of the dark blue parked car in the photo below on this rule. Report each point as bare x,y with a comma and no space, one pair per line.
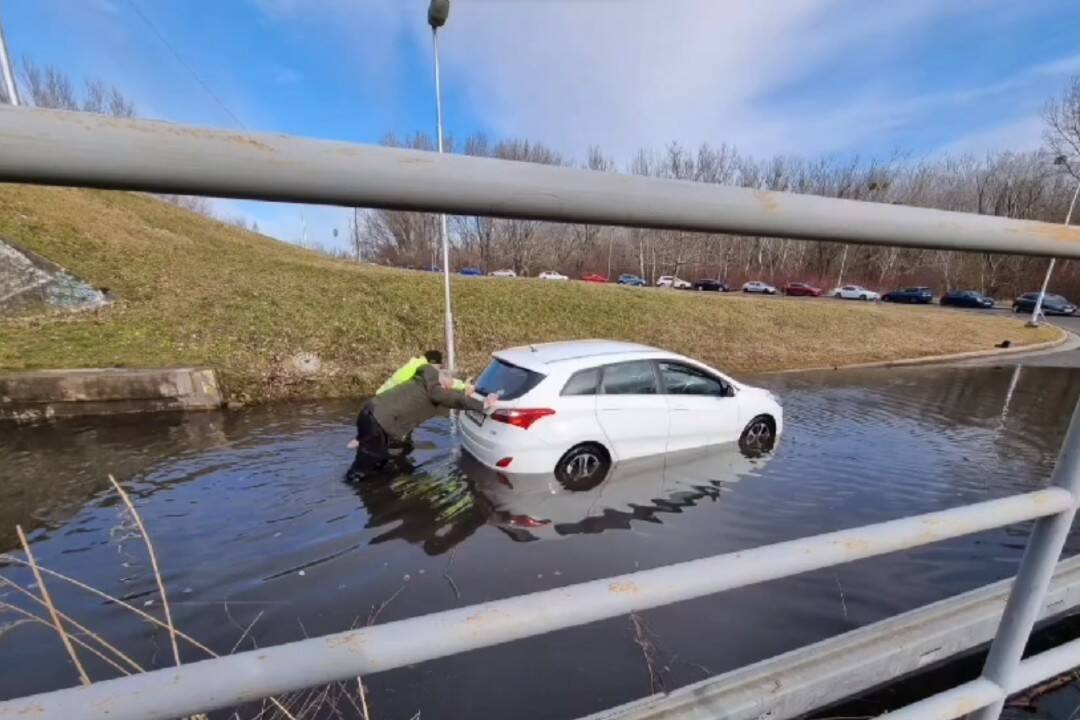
967,298
471,272
920,295
633,280
1051,305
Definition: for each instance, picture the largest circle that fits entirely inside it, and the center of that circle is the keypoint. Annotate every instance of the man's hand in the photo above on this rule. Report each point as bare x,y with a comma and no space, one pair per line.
353,444
491,400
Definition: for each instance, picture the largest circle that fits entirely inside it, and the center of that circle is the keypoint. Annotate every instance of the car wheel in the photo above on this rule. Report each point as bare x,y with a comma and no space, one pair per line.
837,295
863,297
583,467
1016,308
759,437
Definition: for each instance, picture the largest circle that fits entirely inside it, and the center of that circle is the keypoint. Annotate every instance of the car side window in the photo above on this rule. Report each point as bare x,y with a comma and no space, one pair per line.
583,382
630,378
682,379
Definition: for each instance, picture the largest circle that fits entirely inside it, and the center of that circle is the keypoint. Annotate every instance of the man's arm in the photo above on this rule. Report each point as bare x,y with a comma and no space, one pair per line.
447,398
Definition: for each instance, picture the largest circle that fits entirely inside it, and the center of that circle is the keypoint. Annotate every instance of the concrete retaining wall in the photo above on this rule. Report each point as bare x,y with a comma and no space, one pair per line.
45,394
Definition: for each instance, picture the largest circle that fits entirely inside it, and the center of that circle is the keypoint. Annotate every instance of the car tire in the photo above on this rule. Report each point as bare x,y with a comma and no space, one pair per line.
758,437
583,467
1016,308
838,296
863,297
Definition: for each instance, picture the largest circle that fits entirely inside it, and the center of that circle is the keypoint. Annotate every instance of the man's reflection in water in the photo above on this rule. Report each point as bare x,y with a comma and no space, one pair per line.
443,502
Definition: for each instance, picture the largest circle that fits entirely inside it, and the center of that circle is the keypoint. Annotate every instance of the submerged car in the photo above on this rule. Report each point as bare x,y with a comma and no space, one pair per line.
1051,304
911,295
798,289
967,298
756,286
854,292
711,285
632,280
576,408
673,282
552,275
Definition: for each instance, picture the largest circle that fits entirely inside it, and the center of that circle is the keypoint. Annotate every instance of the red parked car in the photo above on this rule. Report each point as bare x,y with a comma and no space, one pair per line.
801,289
594,278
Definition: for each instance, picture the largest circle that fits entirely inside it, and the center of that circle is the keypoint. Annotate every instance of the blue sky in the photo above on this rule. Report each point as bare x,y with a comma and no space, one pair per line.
806,77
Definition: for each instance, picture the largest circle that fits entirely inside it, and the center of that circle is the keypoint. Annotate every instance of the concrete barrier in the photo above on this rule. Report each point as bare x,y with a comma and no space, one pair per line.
45,394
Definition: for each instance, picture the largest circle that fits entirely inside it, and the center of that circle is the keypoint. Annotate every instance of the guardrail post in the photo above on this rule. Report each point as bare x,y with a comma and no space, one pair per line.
1036,568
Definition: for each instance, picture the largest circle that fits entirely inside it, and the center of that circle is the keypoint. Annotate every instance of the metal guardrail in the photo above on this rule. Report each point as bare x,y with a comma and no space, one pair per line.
65,148
58,148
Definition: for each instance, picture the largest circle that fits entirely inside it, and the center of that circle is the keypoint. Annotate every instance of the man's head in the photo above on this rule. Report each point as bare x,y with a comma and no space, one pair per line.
434,357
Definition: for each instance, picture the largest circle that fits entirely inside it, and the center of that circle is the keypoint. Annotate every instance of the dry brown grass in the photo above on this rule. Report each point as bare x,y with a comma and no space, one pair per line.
196,292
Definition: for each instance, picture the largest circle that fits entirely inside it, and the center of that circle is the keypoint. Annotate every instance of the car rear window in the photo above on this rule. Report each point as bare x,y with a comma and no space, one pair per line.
583,382
510,381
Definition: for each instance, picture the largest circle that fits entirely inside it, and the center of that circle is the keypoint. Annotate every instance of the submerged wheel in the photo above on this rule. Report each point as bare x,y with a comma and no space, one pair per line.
759,437
583,467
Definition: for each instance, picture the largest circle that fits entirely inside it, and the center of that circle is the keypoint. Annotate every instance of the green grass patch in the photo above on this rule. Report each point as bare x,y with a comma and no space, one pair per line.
192,291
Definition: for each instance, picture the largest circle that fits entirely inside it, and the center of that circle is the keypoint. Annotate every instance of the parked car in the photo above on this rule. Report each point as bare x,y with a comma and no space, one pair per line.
1051,304
673,282
756,286
552,275
854,292
577,407
967,298
471,272
503,273
911,295
632,280
711,285
798,289
594,278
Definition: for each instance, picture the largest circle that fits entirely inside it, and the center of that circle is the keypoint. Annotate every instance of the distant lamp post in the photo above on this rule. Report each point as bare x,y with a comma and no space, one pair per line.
438,12
7,75
1034,321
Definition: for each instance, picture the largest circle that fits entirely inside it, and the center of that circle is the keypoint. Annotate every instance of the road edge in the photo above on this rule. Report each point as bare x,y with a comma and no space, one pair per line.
939,359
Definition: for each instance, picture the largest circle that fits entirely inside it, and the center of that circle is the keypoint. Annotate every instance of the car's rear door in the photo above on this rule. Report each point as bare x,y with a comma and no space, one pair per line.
700,406
630,409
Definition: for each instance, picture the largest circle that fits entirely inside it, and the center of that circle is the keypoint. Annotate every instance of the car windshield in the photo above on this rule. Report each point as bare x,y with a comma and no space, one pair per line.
510,381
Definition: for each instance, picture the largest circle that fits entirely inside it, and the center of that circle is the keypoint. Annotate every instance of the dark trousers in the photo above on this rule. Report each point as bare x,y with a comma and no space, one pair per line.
373,450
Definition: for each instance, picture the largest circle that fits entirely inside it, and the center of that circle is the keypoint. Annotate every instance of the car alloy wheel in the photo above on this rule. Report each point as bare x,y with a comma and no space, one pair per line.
758,437
583,467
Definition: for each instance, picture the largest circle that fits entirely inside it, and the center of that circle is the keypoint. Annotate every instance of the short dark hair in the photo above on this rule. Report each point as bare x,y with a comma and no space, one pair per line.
434,357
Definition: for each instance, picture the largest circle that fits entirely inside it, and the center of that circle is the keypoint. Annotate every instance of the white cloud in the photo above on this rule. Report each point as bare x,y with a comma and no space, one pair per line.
1017,135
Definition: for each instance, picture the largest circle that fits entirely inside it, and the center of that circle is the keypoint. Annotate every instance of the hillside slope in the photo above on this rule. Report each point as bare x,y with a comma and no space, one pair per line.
192,291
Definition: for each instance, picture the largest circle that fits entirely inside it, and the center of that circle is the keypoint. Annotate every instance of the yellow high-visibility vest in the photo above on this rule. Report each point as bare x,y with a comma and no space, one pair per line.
408,371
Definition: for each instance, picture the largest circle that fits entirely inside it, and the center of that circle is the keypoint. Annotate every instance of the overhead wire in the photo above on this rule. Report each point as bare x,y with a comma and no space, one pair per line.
185,64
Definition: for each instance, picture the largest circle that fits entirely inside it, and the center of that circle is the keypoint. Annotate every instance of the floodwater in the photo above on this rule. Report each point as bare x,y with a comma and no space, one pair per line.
252,521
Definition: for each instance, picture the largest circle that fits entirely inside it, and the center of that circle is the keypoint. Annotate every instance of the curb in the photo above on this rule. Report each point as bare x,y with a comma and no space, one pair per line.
937,359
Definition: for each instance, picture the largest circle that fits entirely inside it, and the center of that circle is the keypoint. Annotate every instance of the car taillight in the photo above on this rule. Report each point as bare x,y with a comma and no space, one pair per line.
522,418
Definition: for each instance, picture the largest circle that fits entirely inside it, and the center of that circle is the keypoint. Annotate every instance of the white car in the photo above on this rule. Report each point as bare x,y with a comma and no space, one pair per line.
552,275
673,282
577,407
503,273
854,292
756,286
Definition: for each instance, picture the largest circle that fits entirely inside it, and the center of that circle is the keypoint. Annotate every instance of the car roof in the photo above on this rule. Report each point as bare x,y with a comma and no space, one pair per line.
542,356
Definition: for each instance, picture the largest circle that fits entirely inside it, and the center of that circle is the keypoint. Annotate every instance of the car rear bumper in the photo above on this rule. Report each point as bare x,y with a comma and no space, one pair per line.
489,451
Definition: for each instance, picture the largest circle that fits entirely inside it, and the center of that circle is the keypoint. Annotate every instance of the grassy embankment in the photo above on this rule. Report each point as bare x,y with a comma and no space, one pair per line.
192,291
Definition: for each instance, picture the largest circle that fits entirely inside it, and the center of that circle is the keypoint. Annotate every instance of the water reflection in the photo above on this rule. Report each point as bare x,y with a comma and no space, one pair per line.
444,502
251,508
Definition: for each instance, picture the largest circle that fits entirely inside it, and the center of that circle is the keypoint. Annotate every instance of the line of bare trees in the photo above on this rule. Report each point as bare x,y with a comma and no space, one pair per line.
1027,185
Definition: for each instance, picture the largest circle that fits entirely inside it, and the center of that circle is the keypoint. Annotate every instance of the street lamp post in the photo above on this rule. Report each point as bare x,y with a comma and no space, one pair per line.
1034,321
8,75
438,11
